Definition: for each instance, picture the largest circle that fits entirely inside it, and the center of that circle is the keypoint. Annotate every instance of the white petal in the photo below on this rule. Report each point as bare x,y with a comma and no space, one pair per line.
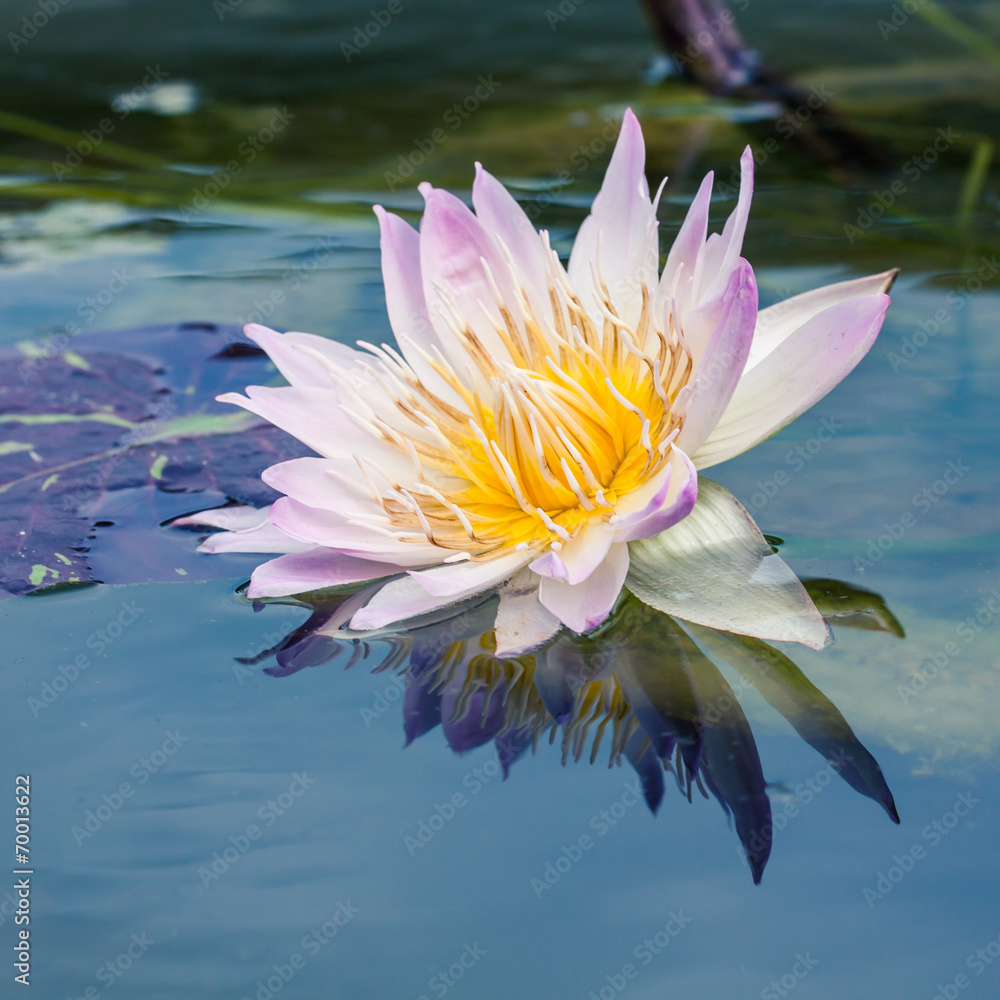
294,356
409,596
497,209
316,569
722,252
248,529
522,622
729,323
715,568
622,222
333,530
469,576
579,557
583,606
665,500
796,374
776,323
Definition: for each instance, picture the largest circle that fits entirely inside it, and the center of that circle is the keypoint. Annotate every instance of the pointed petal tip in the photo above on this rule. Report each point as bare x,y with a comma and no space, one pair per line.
890,808
255,330
889,279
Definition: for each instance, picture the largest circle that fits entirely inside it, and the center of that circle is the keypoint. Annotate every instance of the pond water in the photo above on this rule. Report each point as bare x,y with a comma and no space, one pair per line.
202,828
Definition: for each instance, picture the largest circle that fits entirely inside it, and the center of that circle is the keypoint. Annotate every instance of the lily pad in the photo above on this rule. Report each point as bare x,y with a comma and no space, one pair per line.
104,439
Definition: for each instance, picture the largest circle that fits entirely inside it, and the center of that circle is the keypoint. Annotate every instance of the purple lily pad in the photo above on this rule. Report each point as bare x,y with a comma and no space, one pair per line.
102,443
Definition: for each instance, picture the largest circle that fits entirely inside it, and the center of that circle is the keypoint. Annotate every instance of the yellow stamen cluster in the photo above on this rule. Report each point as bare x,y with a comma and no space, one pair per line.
580,415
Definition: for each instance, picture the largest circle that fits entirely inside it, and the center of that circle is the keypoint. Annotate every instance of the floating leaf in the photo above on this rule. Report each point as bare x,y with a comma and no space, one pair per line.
106,441
852,607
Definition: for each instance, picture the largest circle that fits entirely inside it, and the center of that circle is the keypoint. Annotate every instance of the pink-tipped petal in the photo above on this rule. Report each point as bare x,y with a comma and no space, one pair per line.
457,258
229,518
778,322
685,252
294,355
578,557
316,569
498,211
583,606
672,502
720,365
317,419
314,482
333,530
795,375
723,252
406,303
622,226
246,529
404,288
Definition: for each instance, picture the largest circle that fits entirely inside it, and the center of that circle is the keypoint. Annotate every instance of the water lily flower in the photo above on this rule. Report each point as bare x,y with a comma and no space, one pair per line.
540,428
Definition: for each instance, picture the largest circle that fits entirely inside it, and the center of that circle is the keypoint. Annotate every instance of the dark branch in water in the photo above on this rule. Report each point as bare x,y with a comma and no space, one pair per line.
703,41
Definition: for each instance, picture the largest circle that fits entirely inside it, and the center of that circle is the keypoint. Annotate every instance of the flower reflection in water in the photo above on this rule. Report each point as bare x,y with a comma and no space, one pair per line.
644,688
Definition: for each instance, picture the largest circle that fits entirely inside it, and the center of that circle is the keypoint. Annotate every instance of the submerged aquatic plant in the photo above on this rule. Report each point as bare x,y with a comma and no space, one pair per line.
540,428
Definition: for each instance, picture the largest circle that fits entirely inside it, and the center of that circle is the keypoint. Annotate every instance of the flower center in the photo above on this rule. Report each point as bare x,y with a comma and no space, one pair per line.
580,416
